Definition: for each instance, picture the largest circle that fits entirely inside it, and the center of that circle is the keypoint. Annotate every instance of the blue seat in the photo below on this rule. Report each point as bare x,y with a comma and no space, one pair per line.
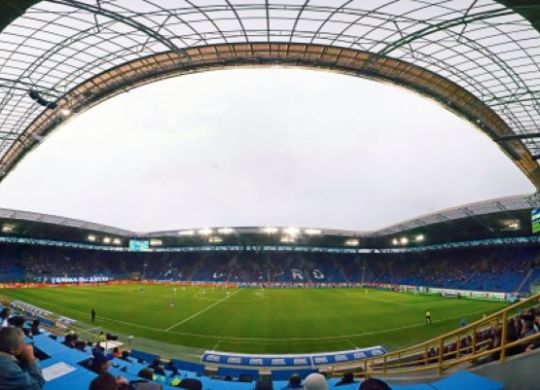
413,387
284,375
238,372
188,366
464,380
145,356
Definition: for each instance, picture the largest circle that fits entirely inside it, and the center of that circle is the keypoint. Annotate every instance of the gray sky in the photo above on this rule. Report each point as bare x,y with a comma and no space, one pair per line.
249,147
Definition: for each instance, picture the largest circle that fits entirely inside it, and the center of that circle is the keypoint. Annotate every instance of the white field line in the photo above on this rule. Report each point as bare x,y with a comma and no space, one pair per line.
201,311
274,341
384,300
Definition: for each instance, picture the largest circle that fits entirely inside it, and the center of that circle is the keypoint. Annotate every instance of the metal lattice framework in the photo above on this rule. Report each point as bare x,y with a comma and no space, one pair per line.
479,58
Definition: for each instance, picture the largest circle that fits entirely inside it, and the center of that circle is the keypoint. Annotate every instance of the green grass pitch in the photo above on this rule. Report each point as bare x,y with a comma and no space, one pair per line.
261,320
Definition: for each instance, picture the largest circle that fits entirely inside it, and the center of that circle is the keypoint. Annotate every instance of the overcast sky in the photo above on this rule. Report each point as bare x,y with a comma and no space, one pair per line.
253,147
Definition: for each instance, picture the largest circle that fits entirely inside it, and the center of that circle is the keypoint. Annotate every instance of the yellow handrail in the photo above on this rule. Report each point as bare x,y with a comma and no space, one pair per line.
467,344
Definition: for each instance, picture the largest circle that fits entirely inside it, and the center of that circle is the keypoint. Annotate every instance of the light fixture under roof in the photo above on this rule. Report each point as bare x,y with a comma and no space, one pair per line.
8,228
352,242
106,240
116,241
205,232
313,232
269,230
403,240
419,238
186,233
225,230
291,231
215,240
92,237
287,239
156,242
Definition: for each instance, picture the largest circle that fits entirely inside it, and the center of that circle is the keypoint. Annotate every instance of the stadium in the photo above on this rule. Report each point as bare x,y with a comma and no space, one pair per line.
443,300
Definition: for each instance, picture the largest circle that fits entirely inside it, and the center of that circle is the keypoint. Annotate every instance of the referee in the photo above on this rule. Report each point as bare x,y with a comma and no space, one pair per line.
428,317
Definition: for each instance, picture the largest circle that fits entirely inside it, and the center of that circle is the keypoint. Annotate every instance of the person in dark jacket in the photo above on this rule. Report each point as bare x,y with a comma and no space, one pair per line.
18,366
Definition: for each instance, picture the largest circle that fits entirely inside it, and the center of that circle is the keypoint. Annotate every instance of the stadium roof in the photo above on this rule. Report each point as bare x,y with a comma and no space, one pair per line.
492,206
478,58
27,216
506,205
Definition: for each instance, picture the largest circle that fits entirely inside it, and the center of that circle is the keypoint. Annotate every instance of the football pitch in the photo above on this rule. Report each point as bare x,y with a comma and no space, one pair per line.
260,320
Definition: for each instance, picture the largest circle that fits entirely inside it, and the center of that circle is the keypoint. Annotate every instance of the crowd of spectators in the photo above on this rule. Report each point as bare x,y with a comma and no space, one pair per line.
488,269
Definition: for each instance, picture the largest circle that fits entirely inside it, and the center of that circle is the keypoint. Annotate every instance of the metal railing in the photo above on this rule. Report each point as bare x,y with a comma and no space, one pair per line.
492,338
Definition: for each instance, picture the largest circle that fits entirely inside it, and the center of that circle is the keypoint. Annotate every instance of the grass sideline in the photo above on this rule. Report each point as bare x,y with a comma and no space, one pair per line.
261,320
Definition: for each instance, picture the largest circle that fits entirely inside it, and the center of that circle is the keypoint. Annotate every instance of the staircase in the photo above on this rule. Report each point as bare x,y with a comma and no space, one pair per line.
532,276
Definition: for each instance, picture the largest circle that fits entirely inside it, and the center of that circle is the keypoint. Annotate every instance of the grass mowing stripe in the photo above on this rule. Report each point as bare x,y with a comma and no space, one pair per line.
271,341
261,321
201,311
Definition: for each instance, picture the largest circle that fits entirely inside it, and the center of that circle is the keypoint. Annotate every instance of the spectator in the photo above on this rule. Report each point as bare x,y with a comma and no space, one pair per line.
147,375
18,365
264,384
125,356
106,381
16,322
156,366
295,381
34,329
4,316
346,379
70,338
116,353
374,384
190,384
100,362
315,381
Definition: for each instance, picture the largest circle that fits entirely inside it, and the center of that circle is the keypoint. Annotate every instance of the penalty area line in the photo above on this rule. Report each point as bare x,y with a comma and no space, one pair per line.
201,311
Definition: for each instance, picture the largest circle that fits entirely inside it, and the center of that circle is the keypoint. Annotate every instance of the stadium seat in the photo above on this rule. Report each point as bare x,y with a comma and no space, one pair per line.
465,380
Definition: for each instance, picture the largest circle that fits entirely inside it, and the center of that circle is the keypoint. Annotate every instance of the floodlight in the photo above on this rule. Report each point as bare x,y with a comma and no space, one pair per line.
404,240
352,242
313,232
106,240
395,241
287,239
512,224
7,228
419,238
215,239
91,237
116,241
291,231
225,230
205,232
155,242
269,230
186,233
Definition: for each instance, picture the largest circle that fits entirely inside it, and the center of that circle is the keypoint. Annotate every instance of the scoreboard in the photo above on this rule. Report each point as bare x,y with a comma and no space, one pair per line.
139,245
535,219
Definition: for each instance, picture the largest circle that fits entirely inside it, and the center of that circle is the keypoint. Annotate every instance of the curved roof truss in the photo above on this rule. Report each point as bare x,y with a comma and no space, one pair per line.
479,58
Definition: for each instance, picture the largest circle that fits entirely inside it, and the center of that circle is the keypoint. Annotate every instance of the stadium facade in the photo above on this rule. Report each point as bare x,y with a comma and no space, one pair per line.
495,222
478,59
